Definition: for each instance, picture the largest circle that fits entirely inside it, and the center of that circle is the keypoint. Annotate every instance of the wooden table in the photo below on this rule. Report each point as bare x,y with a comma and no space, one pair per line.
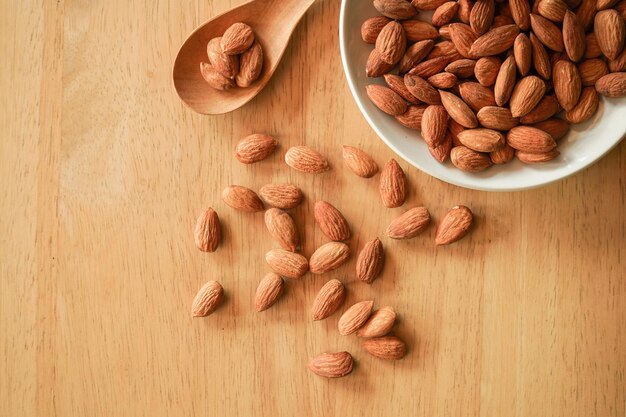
104,171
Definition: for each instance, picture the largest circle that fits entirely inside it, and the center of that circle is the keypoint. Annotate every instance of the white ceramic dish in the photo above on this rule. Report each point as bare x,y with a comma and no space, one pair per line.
585,144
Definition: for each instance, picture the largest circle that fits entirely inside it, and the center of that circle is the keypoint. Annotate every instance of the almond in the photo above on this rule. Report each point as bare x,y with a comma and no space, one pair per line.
592,49
227,65
359,162
332,365
443,80
427,4
392,185
618,64
386,99
557,128
612,85
305,159
586,12
328,300
396,83
328,257
541,60
481,15
444,13
372,27
530,139
465,10
536,158
454,129
573,36
458,110
444,48
416,30
498,118
412,118
481,140
409,224
208,233
526,94
505,82
208,298
255,147
442,151
552,9
585,108
501,20
434,124
468,160
567,84
286,263
454,225
495,41
214,78
463,37
415,54
462,68
237,38
375,66
395,9
242,198
444,32
331,221
386,347
268,292
547,32
283,196
476,96
502,155
430,67
522,49
369,264
520,12
605,4
610,32
282,228
486,70
391,43
250,65
546,108
379,324
355,317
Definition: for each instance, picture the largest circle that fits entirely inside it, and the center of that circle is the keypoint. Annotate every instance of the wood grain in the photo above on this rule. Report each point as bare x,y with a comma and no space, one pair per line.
104,171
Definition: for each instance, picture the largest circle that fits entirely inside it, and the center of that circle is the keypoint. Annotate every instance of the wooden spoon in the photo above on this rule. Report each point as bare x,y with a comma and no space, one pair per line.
272,21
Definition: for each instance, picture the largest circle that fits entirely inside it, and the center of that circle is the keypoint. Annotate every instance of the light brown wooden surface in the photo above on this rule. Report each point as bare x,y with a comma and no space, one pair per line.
103,172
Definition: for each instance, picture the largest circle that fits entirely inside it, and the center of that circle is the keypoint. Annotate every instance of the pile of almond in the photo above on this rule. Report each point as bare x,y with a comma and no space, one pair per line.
374,326
489,80
235,59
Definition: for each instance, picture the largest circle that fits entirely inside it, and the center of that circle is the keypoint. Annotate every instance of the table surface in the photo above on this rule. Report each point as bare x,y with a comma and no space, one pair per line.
104,171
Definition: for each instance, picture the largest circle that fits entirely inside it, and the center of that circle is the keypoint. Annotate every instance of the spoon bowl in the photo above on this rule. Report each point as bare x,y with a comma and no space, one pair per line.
272,21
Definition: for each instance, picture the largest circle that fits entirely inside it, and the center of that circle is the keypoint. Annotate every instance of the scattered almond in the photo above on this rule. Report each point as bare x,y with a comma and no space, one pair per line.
409,224
283,196
332,365
255,148
328,257
305,159
379,324
386,347
392,185
208,298
282,228
370,261
454,225
328,300
242,198
268,292
331,221
359,162
355,317
208,233
286,263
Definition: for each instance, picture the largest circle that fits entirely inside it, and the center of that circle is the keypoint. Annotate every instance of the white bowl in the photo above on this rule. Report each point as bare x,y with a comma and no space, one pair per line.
584,144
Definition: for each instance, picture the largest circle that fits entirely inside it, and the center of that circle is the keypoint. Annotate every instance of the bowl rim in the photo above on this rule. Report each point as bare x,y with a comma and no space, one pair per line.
354,91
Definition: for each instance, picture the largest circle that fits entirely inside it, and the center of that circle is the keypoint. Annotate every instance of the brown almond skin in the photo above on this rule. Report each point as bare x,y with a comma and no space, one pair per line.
396,83
286,263
443,80
526,94
547,32
391,42
495,42
254,148
434,125
379,324
386,347
462,68
430,67
454,226
237,39
208,232
573,37
332,365
305,159
251,65
458,110
557,128
553,10
331,221
585,108
454,129
421,89
520,12
465,9
468,160
372,27
541,59
610,32
355,317
463,37
415,54
586,12
214,78
328,300
498,118
392,185
409,224
417,30
618,64
546,108
476,96
592,49
227,65
376,67
386,99
444,13
328,257
505,82
242,198
502,155
567,84
208,299
481,139
536,158
268,292
412,118
530,139
486,70
612,85
283,196
370,261
395,9
282,228
359,162
522,49
481,16
442,151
